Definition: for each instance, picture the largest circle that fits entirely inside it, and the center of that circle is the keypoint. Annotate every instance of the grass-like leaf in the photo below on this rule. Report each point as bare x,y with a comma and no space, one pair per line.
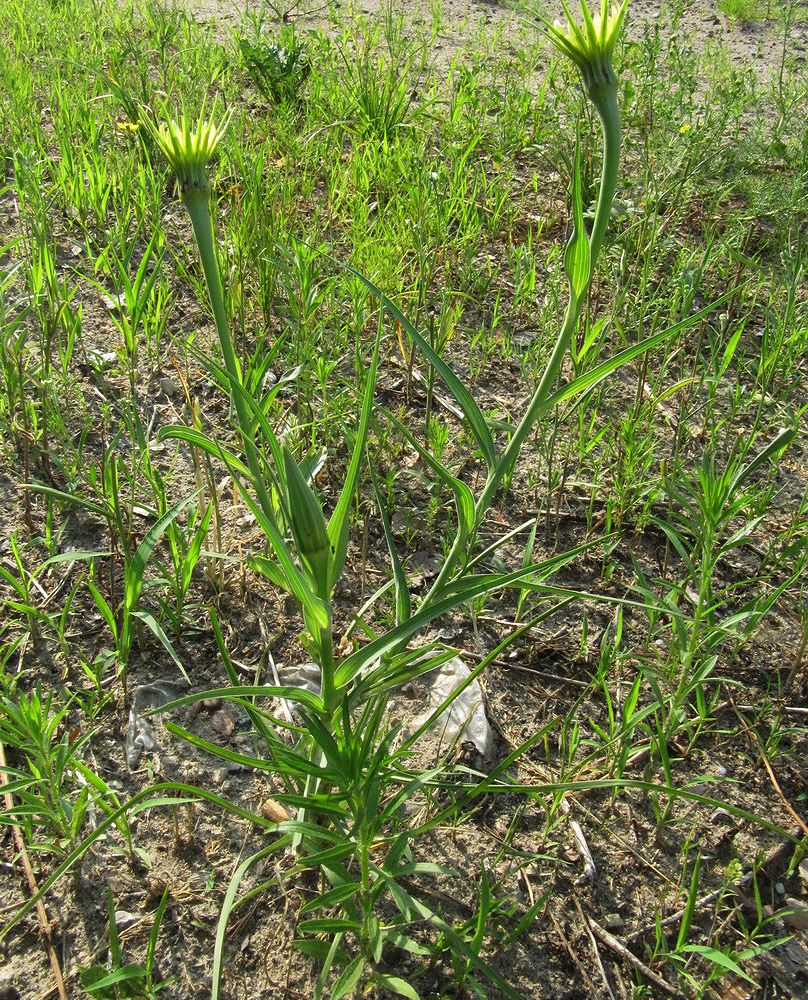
465,400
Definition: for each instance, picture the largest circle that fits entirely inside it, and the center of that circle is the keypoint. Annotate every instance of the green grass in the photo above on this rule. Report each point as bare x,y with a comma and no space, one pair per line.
763,10
372,193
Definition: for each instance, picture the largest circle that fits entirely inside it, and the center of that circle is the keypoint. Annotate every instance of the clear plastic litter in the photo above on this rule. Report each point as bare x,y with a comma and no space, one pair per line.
464,719
139,734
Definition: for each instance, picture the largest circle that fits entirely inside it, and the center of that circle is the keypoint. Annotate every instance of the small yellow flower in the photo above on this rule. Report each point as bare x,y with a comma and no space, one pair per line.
684,128
128,126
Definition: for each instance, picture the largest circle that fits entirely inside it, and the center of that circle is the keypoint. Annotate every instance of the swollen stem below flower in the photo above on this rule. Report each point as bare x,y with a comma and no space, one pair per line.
197,203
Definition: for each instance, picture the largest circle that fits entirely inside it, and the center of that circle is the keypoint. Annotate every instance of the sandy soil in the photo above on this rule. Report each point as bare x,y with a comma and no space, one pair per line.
460,20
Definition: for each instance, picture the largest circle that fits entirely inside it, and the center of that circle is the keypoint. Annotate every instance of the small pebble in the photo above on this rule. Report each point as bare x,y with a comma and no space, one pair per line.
780,889
798,919
124,919
613,922
222,723
274,811
170,388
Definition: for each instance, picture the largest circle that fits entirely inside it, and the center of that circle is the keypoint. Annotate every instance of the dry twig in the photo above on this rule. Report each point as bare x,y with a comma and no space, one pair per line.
620,949
22,853
756,741
595,950
778,856
572,954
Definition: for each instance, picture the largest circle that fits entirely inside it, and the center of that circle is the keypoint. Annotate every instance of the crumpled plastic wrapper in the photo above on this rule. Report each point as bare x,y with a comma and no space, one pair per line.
139,734
465,718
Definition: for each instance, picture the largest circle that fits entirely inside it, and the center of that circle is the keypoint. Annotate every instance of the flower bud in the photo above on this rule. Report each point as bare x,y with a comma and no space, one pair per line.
189,149
591,44
308,524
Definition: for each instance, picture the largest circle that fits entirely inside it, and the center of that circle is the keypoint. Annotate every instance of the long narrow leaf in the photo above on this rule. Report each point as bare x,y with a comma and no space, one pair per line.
465,400
403,600
769,453
224,915
157,631
338,523
306,698
198,439
459,593
62,497
134,573
597,374
463,497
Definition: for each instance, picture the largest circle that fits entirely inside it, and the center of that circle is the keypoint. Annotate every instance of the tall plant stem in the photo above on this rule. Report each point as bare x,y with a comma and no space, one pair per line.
197,202
604,98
